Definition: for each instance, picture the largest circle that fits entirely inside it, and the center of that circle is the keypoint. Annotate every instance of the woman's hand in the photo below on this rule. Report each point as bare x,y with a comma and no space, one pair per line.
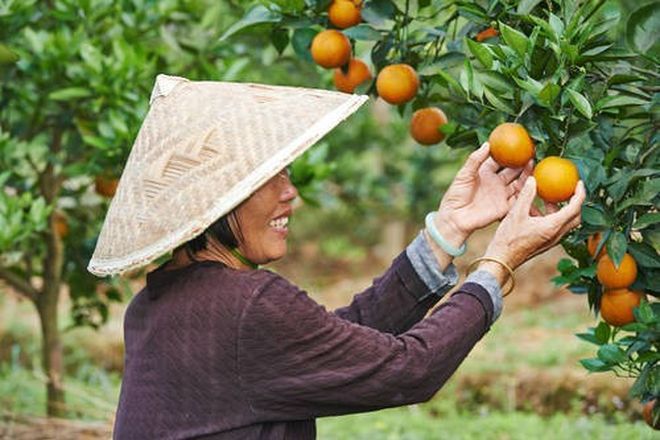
525,232
478,196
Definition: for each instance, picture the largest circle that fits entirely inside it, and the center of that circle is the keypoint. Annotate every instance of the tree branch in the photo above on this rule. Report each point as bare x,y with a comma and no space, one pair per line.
19,284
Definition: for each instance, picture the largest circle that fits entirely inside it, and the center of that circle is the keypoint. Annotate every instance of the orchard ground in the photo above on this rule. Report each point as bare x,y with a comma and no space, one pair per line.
523,379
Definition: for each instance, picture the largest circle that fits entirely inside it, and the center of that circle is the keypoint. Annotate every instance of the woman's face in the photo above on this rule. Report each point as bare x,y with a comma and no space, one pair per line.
264,220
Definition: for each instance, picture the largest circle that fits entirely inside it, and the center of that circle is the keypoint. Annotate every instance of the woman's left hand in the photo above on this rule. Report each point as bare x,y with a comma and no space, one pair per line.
480,194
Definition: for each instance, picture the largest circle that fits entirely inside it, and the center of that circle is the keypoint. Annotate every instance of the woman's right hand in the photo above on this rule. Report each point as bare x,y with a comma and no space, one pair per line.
525,232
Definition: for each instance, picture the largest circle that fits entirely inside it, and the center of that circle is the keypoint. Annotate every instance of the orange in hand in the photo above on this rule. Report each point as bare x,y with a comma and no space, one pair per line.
510,145
556,179
616,306
344,13
330,49
612,277
425,125
357,73
397,83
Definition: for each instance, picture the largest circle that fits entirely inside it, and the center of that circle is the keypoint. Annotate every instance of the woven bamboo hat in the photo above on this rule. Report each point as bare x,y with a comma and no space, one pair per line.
203,148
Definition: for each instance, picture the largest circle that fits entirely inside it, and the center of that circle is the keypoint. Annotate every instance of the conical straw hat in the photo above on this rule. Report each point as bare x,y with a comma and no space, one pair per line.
203,148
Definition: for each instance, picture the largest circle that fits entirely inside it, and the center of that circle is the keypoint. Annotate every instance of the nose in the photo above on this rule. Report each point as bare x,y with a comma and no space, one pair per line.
289,191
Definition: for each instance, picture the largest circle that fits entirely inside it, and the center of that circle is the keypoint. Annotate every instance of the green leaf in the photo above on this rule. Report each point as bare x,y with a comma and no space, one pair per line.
549,93
69,93
377,12
642,29
363,32
280,39
645,255
7,56
301,41
602,332
515,39
644,313
595,365
481,53
259,14
648,219
619,101
617,245
580,102
593,216
526,6
611,354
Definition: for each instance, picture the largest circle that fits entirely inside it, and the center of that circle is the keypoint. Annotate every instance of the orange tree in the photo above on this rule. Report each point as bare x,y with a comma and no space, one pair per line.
581,76
75,77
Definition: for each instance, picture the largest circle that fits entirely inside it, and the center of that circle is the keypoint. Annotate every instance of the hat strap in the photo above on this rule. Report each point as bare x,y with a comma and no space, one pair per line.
234,251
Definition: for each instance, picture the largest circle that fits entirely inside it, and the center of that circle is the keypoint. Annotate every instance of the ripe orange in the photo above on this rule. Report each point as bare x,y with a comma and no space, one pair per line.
357,73
616,306
616,278
60,225
556,179
592,244
106,186
344,13
397,83
510,145
486,34
331,48
425,125
648,414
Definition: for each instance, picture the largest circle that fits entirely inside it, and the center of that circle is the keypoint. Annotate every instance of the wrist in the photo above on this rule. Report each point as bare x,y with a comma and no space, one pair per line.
450,229
498,272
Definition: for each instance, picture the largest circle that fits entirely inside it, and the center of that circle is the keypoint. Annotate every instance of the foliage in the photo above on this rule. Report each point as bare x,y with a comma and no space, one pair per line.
581,76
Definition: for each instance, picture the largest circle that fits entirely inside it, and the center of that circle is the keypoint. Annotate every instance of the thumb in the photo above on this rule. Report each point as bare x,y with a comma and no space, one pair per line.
475,159
526,197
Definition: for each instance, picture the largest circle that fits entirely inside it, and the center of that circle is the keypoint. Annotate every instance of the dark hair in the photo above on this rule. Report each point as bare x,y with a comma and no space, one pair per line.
221,230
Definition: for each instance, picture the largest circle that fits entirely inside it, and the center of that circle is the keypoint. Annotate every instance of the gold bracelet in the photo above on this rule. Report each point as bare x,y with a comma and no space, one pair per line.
495,260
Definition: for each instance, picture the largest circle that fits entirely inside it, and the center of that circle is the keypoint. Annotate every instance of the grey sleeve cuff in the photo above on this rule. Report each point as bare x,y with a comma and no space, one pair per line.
488,282
425,264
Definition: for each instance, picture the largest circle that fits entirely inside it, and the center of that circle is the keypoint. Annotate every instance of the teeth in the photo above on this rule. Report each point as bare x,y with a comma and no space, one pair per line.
279,222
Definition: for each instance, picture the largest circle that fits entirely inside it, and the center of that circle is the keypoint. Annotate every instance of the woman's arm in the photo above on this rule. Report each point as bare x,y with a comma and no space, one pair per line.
297,361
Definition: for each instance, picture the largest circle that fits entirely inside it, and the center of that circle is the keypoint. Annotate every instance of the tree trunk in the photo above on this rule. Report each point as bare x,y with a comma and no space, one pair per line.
51,352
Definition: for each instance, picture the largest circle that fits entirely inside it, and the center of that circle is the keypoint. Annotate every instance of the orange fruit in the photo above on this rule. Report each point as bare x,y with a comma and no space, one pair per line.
425,125
60,225
344,13
330,49
612,277
616,306
510,145
486,34
357,73
648,414
556,179
397,83
592,244
106,186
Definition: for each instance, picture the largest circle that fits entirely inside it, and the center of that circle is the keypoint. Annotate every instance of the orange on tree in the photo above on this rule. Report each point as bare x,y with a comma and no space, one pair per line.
556,179
61,225
344,13
616,306
612,277
592,244
486,34
510,145
106,186
330,49
357,72
425,125
397,83
648,414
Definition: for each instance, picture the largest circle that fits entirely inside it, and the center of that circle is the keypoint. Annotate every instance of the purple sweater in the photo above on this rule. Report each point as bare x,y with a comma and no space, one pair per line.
217,353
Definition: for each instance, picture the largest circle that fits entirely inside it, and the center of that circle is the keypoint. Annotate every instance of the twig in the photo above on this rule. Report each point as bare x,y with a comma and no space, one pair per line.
19,284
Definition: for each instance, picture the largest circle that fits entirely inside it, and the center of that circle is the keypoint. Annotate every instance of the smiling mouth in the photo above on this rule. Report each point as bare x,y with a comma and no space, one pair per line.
279,223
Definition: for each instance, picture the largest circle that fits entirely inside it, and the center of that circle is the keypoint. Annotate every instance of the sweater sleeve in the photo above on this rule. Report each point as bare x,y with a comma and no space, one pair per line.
297,361
404,294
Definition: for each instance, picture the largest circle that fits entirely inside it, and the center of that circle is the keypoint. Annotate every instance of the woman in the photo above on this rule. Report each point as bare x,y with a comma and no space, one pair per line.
218,348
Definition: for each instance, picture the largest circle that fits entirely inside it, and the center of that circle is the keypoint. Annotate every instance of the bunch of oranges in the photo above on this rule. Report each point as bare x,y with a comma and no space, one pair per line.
618,301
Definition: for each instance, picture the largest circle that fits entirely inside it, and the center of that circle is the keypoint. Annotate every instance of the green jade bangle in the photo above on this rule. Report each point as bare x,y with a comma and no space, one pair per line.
440,241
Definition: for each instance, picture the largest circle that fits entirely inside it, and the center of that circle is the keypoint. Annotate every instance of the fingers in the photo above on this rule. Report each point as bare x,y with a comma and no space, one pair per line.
526,197
490,166
508,175
475,159
550,208
574,207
